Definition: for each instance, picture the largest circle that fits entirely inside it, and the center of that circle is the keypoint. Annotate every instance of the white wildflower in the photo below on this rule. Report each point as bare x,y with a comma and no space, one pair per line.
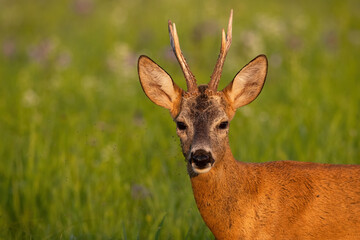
30,98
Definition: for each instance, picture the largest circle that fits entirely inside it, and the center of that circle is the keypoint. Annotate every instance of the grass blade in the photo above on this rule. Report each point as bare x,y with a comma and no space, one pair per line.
159,228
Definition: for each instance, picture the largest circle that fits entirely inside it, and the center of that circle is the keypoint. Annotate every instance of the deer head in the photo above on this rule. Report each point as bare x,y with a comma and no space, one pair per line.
202,113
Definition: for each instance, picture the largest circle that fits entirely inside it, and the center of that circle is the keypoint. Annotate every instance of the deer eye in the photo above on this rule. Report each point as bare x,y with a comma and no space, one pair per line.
181,125
223,125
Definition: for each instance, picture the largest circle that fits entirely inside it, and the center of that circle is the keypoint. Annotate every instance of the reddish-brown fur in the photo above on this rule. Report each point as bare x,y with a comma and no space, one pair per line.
279,200
274,200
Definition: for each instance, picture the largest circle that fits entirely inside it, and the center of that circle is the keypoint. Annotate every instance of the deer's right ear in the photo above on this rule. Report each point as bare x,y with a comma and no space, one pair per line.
247,84
158,85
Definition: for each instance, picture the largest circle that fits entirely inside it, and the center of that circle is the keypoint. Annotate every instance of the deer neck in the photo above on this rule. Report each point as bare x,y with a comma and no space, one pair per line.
223,194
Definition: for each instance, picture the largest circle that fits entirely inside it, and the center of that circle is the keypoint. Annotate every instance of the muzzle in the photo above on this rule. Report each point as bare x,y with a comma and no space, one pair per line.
201,161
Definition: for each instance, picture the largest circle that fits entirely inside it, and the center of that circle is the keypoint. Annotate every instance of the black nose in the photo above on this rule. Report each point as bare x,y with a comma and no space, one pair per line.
201,158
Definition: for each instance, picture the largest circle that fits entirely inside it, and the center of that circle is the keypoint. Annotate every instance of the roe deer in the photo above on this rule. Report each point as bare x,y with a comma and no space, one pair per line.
237,200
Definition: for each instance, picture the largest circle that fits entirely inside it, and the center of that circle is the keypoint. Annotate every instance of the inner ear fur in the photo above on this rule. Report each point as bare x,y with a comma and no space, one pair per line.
248,83
158,85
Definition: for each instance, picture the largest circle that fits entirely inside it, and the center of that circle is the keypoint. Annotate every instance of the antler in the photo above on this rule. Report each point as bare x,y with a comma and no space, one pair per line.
225,45
174,41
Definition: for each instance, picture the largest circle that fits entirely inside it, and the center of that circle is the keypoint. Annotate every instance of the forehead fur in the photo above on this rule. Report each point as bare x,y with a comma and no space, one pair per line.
207,103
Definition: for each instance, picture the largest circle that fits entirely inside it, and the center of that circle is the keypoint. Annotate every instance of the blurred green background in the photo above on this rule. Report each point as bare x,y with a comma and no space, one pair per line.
85,155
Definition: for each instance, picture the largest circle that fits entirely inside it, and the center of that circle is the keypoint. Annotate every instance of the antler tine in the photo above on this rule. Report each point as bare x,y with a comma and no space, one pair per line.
174,41
225,46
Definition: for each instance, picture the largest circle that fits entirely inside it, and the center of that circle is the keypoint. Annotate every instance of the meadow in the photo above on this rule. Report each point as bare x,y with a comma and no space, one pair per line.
85,155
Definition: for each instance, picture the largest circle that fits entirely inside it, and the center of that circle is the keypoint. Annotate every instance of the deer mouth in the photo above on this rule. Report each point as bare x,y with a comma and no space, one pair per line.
201,161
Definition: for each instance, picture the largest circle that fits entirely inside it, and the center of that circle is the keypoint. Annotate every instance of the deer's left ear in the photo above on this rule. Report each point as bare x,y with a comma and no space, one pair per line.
247,84
158,85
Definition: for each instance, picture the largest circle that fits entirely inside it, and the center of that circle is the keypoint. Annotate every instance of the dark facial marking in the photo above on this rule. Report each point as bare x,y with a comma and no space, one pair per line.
202,101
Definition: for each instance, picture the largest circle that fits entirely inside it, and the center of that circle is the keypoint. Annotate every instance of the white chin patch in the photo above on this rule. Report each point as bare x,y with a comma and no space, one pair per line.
201,170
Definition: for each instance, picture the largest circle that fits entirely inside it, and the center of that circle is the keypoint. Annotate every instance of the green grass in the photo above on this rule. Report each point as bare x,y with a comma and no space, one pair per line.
85,155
